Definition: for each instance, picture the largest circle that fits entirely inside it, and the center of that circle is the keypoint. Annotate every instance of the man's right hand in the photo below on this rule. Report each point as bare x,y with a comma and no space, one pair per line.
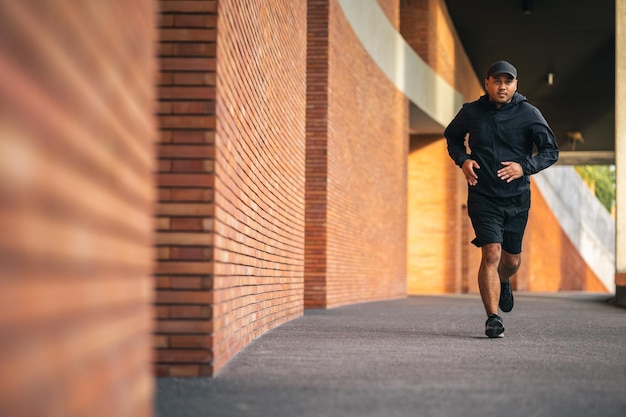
468,170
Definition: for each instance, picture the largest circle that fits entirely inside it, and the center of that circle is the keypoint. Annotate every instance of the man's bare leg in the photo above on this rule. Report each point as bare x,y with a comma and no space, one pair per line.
488,278
509,264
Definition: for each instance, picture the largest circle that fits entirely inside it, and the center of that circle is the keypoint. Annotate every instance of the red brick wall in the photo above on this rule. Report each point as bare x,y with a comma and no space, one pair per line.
428,29
259,224
186,165
231,216
315,294
367,147
76,194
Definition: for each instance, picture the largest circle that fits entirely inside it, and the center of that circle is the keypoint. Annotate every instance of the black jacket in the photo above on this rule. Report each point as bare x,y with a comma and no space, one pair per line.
500,135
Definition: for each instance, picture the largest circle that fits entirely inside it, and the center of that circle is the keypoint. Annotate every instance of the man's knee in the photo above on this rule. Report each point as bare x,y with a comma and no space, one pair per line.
492,253
509,264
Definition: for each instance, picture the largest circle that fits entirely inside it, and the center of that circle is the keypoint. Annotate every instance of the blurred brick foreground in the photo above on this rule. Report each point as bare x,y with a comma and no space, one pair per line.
76,191
178,177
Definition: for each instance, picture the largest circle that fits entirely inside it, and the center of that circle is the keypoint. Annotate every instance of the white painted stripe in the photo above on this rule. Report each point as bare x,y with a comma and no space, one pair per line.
404,68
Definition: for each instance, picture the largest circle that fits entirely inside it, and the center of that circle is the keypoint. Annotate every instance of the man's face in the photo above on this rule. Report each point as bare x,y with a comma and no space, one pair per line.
500,88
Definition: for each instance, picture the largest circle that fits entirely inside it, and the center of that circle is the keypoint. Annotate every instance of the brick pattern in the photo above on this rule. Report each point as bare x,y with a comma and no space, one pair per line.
231,178
367,144
259,221
428,29
316,154
76,196
186,187
349,257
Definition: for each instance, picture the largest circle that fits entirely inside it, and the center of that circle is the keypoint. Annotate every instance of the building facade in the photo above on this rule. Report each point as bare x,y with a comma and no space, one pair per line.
179,177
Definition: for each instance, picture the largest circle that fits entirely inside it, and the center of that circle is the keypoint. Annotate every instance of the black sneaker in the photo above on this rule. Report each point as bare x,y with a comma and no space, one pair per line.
494,326
506,296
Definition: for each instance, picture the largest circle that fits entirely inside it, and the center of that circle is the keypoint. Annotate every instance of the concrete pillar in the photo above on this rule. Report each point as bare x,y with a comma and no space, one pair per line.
620,151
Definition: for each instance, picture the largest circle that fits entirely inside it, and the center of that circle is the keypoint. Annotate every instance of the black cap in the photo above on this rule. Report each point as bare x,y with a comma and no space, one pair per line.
502,67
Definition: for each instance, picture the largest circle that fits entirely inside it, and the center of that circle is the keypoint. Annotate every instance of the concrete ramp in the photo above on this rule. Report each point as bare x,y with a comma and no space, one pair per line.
583,218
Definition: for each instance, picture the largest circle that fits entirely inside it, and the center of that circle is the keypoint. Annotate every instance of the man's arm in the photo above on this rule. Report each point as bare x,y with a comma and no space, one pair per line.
547,149
455,137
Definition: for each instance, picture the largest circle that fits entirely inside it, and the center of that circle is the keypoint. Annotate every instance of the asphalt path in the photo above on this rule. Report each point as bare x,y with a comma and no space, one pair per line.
562,355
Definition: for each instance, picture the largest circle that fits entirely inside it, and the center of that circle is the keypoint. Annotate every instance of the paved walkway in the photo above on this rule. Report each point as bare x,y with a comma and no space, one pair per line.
562,355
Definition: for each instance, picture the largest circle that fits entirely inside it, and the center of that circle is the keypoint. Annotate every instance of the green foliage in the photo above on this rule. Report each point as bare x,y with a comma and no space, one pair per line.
600,178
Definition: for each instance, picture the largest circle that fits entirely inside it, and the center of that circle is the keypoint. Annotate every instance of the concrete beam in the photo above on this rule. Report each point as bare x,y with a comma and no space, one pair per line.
586,158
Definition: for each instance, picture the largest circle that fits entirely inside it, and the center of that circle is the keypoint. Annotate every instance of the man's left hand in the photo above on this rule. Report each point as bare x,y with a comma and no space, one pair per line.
510,171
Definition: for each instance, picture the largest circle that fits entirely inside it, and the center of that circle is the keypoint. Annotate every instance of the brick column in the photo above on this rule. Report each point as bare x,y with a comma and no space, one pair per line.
316,155
231,177
186,176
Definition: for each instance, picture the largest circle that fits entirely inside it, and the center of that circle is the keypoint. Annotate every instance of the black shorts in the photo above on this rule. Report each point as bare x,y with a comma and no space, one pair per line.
499,220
